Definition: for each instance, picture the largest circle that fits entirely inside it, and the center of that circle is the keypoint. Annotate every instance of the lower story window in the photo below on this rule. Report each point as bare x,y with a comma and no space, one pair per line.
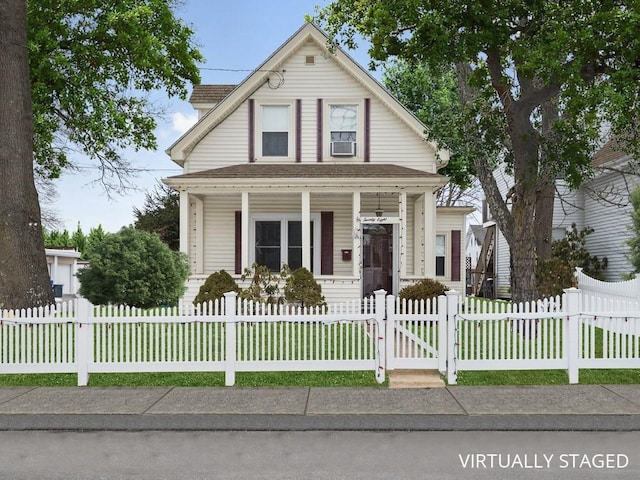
440,254
279,242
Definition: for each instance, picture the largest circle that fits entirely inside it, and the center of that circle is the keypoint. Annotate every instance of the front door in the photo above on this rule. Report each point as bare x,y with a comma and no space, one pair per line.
377,258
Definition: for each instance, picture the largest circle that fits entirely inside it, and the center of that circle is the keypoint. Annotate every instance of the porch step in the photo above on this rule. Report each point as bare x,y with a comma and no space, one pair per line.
415,379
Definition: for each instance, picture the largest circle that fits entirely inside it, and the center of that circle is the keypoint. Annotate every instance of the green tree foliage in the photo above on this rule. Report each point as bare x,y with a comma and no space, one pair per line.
557,273
536,80
425,289
134,268
434,98
77,240
161,215
92,63
301,288
634,227
215,286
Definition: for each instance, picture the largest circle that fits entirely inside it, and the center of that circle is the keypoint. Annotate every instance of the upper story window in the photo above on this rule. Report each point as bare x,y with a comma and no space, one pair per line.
343,125
275,130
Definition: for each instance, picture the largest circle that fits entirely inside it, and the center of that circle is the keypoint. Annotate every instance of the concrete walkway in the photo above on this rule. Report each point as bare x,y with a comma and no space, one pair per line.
550,408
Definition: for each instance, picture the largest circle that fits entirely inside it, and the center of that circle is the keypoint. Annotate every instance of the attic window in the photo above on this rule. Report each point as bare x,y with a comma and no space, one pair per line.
309,60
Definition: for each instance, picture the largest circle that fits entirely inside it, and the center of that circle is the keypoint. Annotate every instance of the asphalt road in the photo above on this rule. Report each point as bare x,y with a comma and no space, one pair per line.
319,455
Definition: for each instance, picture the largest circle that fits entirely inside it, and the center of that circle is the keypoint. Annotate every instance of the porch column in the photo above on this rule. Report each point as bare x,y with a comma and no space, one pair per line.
245,230
184,222
402,213
429,212
306,230
199,238
357,235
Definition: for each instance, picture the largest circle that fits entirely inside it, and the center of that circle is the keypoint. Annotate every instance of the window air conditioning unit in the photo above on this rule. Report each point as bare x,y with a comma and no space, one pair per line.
343,149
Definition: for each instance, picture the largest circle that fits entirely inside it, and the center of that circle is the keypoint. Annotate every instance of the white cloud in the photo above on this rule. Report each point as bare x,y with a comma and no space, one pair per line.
181,122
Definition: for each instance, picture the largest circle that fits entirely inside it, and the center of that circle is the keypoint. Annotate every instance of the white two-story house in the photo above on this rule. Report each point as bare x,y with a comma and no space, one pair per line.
311,162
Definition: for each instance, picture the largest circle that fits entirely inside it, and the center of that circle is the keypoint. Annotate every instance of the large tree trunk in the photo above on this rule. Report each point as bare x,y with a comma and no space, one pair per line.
24,278
544,219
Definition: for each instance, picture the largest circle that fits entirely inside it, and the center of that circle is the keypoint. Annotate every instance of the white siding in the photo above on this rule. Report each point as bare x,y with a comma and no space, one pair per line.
224,146
567,207
501,252
445,223
392,141
610,223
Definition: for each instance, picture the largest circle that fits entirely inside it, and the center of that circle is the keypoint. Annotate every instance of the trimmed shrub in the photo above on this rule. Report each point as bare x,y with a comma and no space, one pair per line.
133,268
215,286
301,288
424,289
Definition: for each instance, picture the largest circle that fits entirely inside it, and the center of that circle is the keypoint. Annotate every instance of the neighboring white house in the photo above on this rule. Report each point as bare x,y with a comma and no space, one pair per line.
63,265
312,162
475,236
601,203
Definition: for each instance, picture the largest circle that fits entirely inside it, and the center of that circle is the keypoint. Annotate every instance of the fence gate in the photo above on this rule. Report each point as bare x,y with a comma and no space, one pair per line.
415,333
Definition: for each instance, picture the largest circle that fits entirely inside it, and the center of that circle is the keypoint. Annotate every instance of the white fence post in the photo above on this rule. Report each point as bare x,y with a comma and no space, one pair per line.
442,334
230,303
390,333
452,311
572,332
381,358
84,339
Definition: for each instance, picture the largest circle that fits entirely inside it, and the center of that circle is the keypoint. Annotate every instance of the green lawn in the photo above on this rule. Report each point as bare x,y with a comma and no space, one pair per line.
214,379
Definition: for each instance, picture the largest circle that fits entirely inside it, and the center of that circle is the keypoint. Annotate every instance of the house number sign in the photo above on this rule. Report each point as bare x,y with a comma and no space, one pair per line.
379,220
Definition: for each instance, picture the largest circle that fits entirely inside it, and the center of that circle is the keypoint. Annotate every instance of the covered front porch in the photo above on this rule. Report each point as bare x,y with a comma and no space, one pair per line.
356,233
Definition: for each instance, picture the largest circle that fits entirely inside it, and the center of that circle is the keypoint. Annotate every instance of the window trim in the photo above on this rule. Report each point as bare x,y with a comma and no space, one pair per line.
446,256
258,128
283,218
326,134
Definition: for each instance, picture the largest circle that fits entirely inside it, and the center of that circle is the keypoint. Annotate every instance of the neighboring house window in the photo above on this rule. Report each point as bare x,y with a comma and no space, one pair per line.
440,254
343,123
275,130
279,242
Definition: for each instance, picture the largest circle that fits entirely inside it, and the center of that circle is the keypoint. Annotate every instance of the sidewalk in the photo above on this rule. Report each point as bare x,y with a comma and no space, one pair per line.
566,407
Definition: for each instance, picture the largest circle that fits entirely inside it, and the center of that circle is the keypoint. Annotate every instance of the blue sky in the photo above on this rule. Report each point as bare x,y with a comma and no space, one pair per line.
236,35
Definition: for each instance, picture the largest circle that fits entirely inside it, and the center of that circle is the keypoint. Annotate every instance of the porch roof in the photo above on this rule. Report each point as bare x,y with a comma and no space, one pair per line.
294,175
315,170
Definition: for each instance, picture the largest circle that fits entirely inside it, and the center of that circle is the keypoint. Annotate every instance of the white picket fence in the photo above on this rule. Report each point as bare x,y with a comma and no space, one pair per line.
230,336
451,334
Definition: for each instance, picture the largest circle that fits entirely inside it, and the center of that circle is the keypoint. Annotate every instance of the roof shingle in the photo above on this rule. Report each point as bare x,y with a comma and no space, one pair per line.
210,93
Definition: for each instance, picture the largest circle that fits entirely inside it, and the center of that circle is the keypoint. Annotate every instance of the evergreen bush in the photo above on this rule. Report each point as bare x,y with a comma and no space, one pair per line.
301,288
133,268
424,289
215,286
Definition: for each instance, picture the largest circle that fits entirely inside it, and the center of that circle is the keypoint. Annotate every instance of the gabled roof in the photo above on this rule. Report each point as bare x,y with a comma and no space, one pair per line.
185,144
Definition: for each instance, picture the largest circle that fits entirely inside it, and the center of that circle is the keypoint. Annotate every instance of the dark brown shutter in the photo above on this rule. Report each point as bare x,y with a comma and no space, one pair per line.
238,239
298,130
252,131
326,247
367,129
319,131
455,255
